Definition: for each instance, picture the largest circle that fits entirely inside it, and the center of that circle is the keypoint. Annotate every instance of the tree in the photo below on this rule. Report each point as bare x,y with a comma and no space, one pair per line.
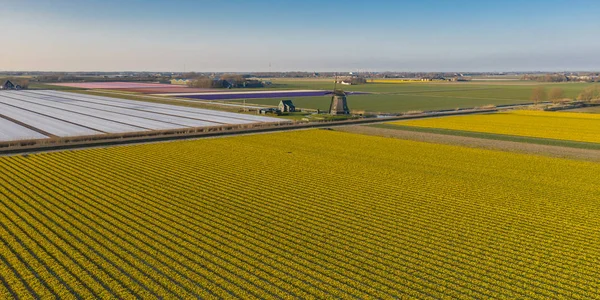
201,82
538,95
546,78
234,79
556,95
190,75
590,93
358,80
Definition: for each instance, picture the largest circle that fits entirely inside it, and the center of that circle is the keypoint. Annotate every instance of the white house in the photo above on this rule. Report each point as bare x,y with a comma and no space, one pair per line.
180,81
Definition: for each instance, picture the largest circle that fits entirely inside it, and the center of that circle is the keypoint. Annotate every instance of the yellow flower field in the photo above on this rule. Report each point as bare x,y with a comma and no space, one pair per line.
307,214
552,125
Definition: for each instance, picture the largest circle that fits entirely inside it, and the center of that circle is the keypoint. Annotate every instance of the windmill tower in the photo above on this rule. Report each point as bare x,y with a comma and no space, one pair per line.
339,104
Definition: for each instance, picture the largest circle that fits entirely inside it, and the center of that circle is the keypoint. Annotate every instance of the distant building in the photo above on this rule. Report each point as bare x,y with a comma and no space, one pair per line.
269,110
7,85
459,78
286,106
582,78
349,80
252,84
181,81
398,80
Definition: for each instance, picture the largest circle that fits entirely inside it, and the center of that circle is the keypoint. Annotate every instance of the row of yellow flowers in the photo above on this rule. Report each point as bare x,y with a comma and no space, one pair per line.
580,127
311,214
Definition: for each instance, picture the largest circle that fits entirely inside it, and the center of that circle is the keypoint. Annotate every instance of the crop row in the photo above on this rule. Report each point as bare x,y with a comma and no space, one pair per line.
579,127
312,214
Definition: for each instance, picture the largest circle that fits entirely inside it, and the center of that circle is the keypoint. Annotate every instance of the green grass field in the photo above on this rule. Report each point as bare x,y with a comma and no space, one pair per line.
403,97
391,103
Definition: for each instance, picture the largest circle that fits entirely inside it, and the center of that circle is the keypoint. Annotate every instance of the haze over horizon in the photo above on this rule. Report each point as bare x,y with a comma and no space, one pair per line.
264,35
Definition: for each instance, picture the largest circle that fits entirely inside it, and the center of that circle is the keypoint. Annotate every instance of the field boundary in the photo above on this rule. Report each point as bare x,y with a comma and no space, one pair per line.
478,143
33,146
494,136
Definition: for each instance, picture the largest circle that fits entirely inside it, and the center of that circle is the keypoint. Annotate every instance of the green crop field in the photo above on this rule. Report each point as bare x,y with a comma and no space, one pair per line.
403,97
392,103
298,215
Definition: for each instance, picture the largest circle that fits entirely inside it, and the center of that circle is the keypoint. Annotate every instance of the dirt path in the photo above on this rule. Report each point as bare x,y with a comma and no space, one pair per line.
554,151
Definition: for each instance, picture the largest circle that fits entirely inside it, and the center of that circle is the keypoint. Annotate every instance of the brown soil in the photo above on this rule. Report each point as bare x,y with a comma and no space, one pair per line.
554,151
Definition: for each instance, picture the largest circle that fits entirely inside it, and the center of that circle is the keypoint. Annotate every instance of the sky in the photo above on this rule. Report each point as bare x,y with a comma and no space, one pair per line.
307,35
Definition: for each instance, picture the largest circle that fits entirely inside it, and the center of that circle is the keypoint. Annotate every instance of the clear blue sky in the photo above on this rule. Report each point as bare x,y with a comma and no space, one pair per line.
306,35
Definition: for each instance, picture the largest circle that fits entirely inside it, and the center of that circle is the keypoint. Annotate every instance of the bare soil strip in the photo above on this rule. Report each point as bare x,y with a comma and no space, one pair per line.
553,151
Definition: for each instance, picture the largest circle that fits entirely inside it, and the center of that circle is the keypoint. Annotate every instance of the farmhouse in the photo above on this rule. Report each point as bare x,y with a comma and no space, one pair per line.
344,81
7,85
286,106
459,78
180,81
269,110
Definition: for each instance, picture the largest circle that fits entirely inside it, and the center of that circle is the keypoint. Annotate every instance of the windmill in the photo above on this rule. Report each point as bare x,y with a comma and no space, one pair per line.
339,104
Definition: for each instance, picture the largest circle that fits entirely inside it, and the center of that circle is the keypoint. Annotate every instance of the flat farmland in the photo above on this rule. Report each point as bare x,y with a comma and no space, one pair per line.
114,85
167,90
227,95
592,109
403,97
362,217
377,97
327,84
388,103
134,87
43,114
579,127
10,131
563,149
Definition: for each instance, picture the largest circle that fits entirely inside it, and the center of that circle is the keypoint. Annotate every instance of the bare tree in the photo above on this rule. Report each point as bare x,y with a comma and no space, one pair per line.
200,82
556,95
538,95
234,79
590,93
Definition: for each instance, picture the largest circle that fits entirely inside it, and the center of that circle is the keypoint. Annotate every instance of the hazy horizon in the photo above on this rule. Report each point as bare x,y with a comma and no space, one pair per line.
239,36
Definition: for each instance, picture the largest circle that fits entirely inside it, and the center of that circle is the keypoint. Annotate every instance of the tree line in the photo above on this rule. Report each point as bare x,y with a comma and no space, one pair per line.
558,78
224,81
557,95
